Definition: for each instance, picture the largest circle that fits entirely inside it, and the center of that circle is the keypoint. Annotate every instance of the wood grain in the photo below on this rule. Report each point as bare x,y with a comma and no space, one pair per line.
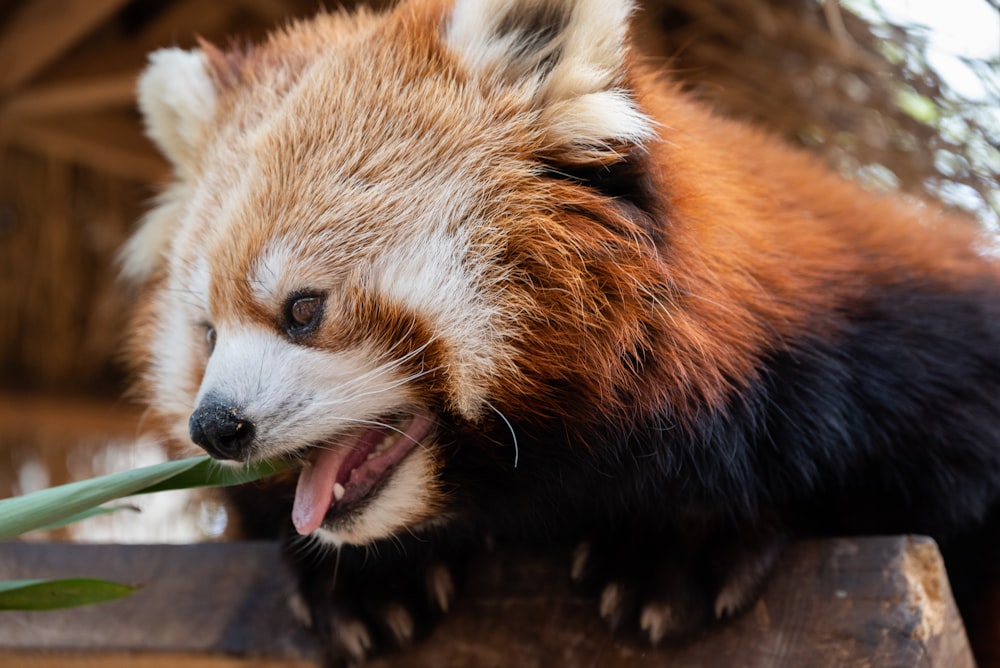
879,602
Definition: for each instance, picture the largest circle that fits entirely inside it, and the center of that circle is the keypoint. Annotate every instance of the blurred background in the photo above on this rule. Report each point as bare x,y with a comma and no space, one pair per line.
901,96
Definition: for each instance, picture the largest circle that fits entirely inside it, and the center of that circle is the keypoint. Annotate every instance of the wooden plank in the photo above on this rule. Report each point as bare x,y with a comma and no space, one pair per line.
202,605
42,31
114,91
66,418
881,602
107,143
181,20
176,25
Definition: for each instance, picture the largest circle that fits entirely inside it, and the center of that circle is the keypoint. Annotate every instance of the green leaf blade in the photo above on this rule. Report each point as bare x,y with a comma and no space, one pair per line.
210,473
58,594
56,505
87,514
51,506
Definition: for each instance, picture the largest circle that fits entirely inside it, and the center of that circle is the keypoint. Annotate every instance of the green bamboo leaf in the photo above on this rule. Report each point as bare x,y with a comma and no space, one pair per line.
55,504
7,585
87,514
918,107
210,473
55,594
58,504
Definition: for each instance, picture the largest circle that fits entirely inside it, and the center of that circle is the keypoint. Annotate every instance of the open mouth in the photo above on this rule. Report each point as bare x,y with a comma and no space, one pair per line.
341,474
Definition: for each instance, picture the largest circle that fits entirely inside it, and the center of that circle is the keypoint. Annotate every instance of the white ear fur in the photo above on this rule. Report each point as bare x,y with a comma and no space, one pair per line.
143,253
571,56
177,100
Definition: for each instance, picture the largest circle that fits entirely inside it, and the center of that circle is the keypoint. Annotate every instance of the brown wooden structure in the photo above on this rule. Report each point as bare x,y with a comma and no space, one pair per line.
845,603
75,172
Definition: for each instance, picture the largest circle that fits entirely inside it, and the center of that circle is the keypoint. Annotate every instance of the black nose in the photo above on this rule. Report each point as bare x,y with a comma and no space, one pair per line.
222,430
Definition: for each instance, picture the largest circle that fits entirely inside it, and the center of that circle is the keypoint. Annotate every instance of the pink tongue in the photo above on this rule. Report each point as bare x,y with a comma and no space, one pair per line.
314,492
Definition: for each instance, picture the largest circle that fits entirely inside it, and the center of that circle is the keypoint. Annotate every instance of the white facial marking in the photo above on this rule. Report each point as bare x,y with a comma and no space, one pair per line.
286,265
177,338
267,274
296,395
435,275
199,283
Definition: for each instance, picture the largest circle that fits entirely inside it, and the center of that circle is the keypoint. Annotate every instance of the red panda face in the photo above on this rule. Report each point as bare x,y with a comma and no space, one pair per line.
323,304
332,268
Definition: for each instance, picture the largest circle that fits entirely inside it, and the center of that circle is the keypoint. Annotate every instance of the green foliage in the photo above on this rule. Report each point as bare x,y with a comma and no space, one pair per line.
56,506
56,594
962,122
916,106
63,503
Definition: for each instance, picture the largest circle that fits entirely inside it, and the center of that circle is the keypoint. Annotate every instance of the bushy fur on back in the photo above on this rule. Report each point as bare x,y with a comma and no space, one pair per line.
482,271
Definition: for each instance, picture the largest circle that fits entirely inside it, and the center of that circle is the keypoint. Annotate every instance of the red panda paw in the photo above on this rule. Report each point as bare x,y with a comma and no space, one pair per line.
742,577
353,630
643,590
365,601
662,591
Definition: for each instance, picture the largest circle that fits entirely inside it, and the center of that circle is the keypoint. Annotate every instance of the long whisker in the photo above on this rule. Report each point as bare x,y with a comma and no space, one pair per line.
374,423
367,393
386,367
510,427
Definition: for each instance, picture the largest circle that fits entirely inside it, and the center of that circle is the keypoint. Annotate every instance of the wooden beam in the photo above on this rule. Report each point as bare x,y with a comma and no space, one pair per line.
114,91
846,602
66,418
42,30
177,25
106,143
183,19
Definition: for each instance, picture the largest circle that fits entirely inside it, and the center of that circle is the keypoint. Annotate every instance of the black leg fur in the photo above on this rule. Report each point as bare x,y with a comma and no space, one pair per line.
667,587
362,601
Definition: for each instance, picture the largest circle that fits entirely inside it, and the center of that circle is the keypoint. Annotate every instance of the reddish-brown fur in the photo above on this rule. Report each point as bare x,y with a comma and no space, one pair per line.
751,256
707,278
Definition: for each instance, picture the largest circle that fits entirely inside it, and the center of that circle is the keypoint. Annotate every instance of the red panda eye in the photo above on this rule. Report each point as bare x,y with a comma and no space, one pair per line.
303,312
210,338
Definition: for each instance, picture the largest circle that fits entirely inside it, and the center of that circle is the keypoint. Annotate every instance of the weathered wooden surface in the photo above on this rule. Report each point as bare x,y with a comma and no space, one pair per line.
879,602
212,602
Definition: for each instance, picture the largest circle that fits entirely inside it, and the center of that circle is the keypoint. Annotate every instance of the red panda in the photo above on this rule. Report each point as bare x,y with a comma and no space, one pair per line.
483,272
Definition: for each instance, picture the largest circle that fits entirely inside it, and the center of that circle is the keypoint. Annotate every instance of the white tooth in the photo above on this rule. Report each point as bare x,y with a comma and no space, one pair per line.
338,491
384,443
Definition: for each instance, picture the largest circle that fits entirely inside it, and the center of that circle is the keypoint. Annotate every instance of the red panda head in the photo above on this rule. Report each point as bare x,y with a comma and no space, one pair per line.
364,234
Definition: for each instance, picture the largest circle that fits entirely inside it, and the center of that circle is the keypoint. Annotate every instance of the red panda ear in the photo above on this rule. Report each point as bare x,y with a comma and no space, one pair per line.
177,98
568,57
